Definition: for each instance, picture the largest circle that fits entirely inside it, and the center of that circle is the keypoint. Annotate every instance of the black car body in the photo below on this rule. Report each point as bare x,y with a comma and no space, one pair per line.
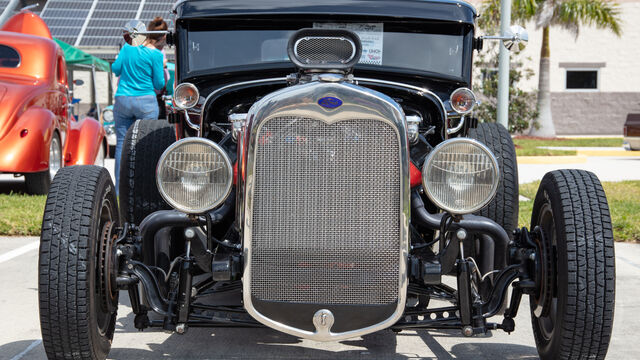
409,26
320,173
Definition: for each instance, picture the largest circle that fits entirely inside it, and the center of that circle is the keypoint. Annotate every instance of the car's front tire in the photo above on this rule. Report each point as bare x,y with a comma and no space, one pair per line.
76,281
573,318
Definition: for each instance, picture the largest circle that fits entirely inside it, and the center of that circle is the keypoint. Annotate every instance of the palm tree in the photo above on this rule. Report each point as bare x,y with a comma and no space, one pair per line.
567,14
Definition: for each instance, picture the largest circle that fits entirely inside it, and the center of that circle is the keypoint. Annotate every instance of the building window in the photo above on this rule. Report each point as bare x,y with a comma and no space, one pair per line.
582,79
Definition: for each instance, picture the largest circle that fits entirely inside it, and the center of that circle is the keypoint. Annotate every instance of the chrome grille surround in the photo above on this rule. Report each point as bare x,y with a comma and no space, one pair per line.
361,108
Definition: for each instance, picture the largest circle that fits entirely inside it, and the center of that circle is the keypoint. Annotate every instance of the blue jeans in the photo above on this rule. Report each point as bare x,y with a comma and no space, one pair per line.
126,110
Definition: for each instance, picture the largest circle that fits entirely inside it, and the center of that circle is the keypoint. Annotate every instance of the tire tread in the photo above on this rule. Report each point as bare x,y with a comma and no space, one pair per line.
143,145
63,266
588,317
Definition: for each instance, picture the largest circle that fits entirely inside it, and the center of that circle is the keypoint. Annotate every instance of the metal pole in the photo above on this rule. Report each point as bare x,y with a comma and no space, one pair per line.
503,66
109,79
94,102
8,11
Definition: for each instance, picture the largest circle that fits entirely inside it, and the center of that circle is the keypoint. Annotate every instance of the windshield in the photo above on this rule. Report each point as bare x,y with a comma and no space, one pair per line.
429,52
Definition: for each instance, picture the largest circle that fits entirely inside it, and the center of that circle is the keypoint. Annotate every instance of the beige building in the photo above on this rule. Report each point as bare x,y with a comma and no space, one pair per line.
595,78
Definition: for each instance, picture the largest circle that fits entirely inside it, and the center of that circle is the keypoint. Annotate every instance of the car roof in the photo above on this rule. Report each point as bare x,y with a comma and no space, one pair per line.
444,10
37,54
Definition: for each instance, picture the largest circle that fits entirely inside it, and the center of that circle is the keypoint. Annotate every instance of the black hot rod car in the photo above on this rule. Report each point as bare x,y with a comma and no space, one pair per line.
321,174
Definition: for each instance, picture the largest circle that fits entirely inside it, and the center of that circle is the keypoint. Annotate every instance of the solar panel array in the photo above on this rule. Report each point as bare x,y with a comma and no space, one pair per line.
3,4
98,22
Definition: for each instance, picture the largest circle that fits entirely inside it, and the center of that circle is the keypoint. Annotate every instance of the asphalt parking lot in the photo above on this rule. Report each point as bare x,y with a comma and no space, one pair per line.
20,336
20,331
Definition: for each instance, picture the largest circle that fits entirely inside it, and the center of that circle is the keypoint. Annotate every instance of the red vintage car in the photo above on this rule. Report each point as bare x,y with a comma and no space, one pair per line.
38,135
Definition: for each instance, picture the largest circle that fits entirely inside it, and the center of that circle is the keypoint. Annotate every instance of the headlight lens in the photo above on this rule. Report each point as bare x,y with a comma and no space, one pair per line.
463,100
460,175
194,175
107,115
186,96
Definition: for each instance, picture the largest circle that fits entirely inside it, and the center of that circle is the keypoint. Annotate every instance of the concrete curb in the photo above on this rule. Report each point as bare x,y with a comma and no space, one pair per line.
569,159
623,153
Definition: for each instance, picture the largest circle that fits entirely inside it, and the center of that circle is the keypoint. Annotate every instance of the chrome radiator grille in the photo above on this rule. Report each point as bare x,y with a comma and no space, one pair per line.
326,212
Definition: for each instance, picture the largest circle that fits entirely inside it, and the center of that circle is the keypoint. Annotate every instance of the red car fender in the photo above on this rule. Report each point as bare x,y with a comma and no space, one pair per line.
25,148
83,142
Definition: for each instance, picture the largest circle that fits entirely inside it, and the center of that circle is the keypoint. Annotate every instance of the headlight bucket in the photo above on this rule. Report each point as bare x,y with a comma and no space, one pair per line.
460,175
186,96
107,115
463,100
194,175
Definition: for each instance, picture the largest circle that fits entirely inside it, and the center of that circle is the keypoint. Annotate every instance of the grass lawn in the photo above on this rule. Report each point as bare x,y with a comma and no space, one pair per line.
528,146
624,204
21,214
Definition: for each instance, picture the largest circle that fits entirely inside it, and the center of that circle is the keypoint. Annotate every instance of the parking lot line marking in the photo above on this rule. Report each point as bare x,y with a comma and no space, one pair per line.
25,351
628,262
19,251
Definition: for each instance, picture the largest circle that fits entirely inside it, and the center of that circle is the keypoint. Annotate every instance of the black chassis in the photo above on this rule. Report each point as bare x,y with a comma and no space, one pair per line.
190,266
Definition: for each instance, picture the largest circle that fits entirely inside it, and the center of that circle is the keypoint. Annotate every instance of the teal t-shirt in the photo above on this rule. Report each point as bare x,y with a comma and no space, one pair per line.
140,69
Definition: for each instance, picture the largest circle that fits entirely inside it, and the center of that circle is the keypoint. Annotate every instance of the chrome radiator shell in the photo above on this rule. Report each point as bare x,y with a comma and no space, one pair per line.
301,102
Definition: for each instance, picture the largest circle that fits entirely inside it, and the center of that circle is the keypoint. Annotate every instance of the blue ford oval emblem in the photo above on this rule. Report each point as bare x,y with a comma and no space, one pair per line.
330,102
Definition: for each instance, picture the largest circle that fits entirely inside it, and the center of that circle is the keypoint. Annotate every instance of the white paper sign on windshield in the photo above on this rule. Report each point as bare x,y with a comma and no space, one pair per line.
371,35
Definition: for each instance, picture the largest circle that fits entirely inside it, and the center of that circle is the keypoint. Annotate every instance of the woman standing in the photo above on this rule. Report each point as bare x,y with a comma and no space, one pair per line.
141,72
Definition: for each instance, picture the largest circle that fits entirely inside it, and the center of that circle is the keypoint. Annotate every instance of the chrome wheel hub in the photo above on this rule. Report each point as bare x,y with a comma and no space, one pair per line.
55,157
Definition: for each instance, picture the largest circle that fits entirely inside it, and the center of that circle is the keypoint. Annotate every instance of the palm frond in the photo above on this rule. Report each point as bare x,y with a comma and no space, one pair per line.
546,13
524,10
602,14
521,11
568,14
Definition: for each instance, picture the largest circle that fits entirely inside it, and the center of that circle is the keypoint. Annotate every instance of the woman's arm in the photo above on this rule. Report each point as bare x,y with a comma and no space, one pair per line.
116,67
157,70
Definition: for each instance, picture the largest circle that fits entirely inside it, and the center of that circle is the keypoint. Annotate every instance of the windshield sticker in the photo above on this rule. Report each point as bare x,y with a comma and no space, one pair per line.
371,35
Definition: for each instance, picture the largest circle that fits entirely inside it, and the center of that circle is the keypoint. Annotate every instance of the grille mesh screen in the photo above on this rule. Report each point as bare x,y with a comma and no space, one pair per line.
326,226
314,50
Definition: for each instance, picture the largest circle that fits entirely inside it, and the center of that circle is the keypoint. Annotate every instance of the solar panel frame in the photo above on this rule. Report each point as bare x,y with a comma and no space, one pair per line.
66,18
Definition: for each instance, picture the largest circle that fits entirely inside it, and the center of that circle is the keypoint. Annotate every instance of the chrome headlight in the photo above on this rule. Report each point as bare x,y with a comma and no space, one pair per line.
194,175
460,175
107,115
186,96
462,100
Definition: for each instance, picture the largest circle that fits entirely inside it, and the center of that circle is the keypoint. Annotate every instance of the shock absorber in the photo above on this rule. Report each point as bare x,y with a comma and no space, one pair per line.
184,287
